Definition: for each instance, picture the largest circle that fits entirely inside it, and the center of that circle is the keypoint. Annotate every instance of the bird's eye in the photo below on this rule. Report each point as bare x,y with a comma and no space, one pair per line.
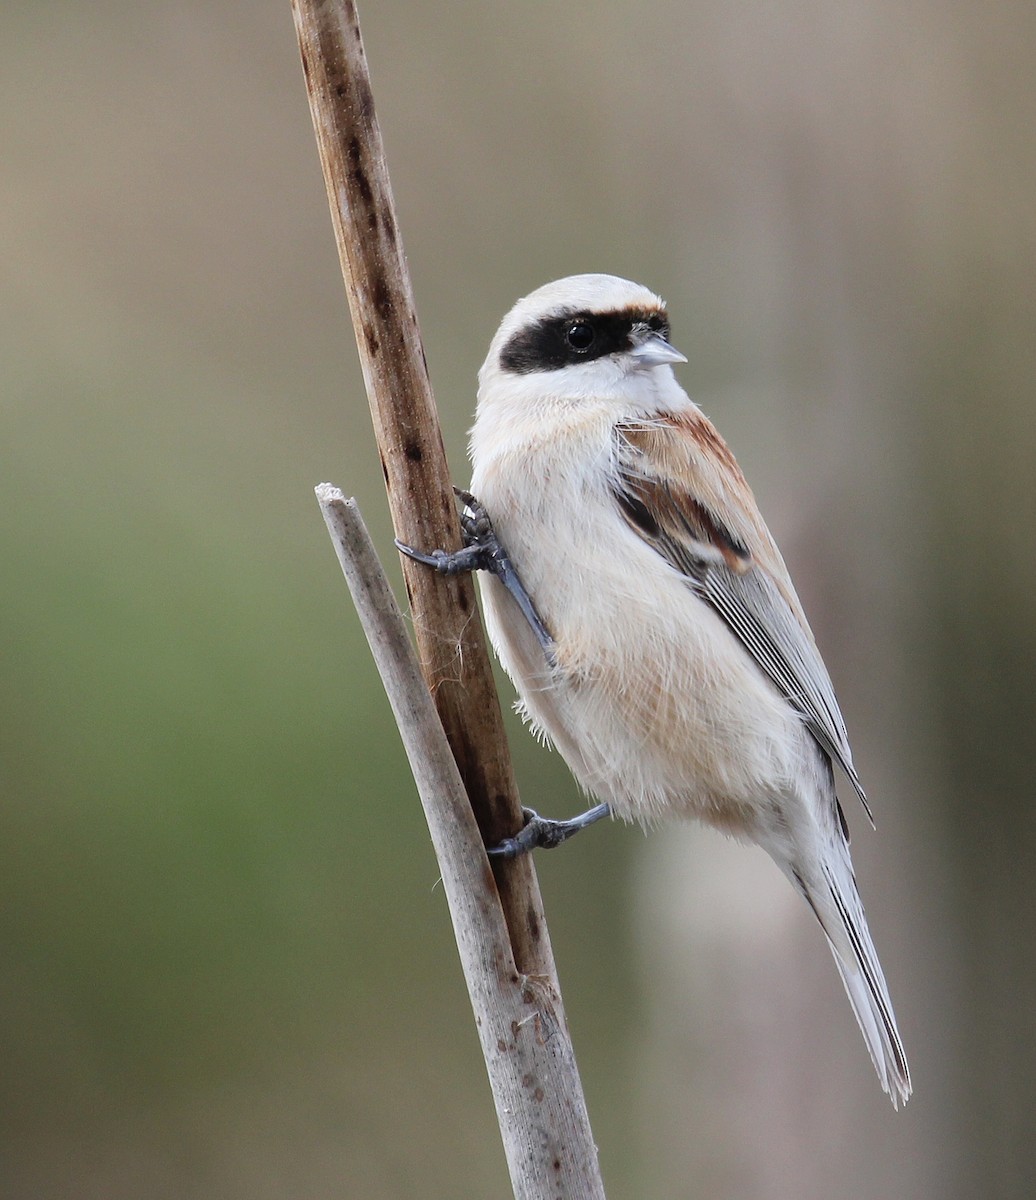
580,335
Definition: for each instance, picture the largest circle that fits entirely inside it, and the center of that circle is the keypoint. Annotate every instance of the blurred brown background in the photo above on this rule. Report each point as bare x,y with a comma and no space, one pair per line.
227,970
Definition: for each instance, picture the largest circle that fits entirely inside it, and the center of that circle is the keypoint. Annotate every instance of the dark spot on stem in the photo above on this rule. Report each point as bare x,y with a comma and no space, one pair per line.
382,297
357,174
534,923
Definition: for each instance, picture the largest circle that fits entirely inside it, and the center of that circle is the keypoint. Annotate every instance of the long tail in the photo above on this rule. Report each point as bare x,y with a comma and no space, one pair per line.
839,909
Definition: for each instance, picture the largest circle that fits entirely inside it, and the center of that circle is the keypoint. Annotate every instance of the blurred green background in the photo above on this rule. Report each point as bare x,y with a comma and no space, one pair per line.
227,970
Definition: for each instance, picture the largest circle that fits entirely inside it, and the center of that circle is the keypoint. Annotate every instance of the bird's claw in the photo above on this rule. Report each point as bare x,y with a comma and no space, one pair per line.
474,520
467,559
483,551
543,833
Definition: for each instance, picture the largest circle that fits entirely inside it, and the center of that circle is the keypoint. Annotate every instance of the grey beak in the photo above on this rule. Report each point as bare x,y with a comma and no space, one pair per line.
652,350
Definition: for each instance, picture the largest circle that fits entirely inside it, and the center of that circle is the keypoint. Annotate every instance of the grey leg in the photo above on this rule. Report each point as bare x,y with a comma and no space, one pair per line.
484,552
544,833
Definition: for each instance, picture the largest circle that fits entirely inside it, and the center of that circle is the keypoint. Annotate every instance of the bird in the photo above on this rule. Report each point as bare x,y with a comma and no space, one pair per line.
643,611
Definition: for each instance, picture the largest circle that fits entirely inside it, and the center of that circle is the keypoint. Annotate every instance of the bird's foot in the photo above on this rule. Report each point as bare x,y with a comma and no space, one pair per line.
543,833
483,551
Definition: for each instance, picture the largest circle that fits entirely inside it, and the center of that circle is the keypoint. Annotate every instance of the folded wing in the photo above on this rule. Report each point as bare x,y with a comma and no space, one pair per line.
680,488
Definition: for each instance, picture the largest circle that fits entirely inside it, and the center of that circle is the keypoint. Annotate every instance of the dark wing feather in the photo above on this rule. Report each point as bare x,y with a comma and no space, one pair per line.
721,569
